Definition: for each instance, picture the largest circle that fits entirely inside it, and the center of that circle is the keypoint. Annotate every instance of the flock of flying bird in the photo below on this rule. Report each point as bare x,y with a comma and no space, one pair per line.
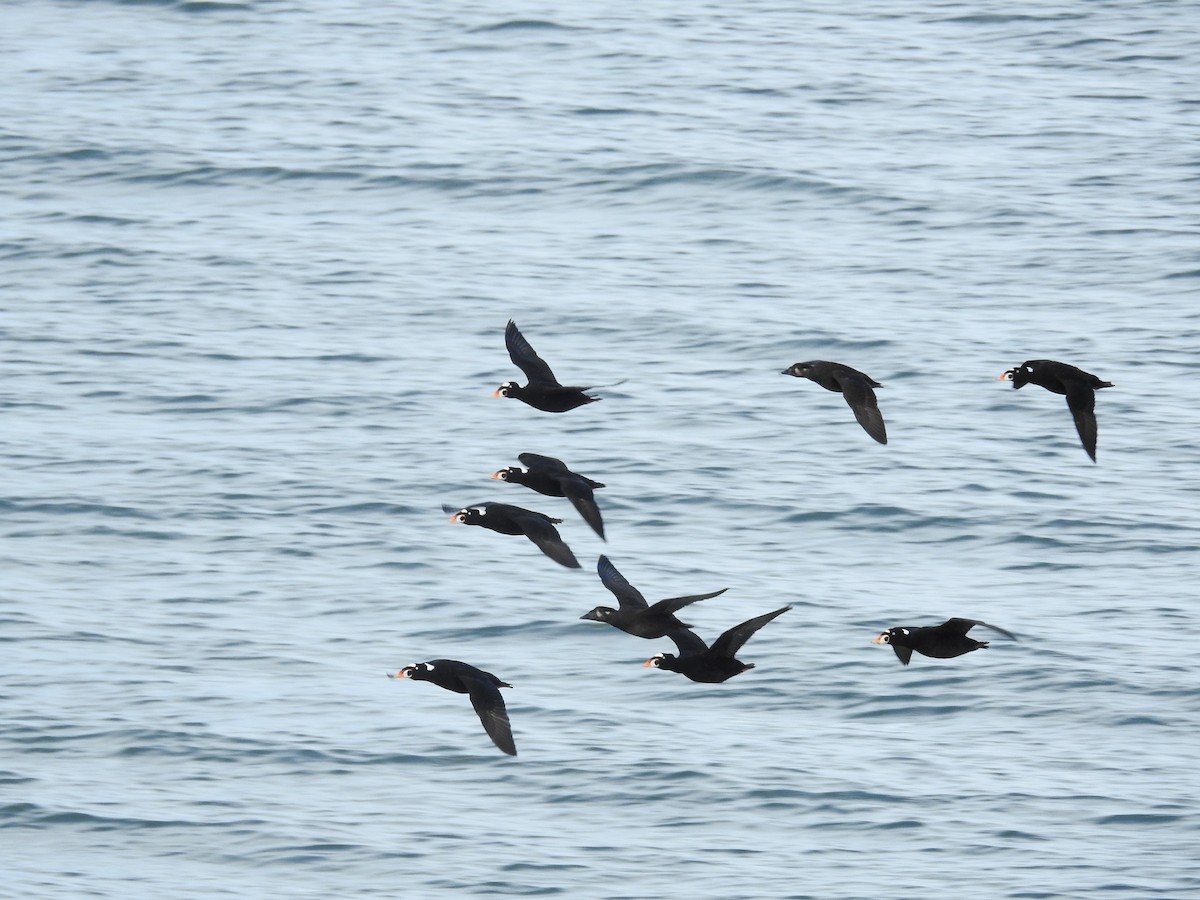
696,660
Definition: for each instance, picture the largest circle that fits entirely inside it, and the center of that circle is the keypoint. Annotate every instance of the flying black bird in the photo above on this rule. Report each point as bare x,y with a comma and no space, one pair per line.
551,477
506,519
943,641
714,664
855,386
484,688
543,390
636,616
1061,378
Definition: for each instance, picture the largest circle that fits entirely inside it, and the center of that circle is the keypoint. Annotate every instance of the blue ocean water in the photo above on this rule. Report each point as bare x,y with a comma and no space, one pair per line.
257,259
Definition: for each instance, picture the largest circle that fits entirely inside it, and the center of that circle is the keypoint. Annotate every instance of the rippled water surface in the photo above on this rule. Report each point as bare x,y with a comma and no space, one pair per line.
257,259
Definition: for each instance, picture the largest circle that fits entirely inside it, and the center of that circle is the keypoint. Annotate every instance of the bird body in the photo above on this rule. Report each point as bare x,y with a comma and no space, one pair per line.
483,688
543,390
551,477
1062,378
945,641
635,616
506,519
856,387
711,665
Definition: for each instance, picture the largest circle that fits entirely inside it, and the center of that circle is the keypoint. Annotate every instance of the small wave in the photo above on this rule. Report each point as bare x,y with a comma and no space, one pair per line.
75,508
222,176
1139,819
522,25
211,6
1006,18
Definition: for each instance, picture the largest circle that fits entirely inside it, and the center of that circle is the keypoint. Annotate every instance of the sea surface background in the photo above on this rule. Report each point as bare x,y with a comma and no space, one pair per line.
256,261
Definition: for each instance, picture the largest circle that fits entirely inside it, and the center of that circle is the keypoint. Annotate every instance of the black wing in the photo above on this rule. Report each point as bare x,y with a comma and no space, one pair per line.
904,653
731,641
539,530
547,464
525,358
555,468
579,492
962,626
1081,400
672,605
489,705
627,595
860,396
688,642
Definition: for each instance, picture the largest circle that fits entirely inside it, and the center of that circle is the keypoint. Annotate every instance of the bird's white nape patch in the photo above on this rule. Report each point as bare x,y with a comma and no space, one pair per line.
428,666
904,631
1028,369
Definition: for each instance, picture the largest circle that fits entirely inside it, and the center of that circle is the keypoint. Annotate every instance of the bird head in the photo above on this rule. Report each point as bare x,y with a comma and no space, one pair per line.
509,474
1019,375
599,614
800,370
470,515
661,661
505,389
891,636
417,671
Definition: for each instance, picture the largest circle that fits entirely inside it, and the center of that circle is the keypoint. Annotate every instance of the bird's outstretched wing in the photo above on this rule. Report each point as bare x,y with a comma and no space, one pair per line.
688,642
489,706
672,605
547,464
904,653
627,595
579,492
962,626
546,536
1081,400
525,358
860,397
732,640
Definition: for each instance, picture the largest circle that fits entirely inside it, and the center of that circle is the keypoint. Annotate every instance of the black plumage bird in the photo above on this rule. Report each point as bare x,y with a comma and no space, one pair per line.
483,687
1062,378
543,390
944,641
856,387
506,519
635,616
712,665
551,477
